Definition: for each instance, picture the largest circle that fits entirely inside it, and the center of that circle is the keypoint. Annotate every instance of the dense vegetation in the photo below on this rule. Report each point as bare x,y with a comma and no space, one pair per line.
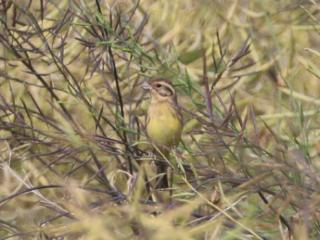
72,116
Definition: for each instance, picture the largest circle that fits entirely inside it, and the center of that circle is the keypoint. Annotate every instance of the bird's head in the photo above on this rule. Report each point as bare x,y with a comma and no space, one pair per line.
161,90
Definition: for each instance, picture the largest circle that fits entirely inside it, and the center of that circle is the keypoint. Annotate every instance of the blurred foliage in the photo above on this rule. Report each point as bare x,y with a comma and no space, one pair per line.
72,119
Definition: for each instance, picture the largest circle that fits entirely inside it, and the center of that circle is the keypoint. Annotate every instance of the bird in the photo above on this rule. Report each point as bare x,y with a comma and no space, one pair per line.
163,124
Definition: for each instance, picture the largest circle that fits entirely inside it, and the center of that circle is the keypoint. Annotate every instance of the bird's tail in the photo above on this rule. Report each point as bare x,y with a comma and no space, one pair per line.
162,180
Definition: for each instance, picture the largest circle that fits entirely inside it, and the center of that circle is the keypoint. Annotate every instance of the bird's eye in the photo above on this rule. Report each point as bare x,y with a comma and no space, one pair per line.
158,85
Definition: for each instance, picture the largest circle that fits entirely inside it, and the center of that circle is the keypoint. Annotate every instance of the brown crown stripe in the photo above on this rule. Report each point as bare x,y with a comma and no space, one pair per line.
166,83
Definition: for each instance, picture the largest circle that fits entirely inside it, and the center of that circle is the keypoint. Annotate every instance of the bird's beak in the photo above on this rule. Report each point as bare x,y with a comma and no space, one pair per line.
146,86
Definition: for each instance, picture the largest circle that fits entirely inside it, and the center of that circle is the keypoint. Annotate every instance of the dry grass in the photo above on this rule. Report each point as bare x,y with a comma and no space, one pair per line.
72,117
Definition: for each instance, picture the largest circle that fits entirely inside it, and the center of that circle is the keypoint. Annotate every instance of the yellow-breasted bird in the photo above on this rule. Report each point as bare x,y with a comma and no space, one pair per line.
164,123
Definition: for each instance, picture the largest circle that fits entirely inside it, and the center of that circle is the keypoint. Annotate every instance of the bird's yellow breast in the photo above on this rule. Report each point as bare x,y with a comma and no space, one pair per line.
164,124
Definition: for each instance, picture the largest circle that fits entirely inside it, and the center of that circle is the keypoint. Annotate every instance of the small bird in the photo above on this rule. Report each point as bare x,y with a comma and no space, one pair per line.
164,123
